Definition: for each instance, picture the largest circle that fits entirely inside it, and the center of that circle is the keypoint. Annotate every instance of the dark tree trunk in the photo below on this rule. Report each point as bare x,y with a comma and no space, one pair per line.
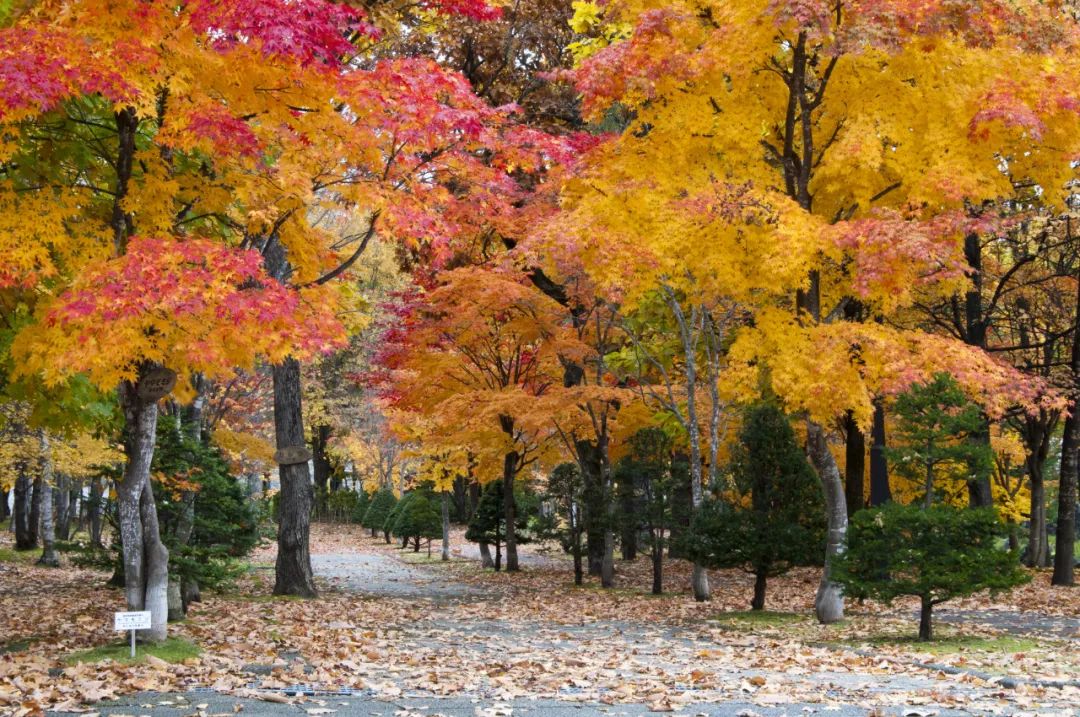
61,499
760,578
445,527
293,575
576,549
854,465
1036,436
320,437
510,464
5,510
1065,535
657,566
96,507
35,511
627,492
976,325
926,612
462,513
593,503
23,539
880,494
498,555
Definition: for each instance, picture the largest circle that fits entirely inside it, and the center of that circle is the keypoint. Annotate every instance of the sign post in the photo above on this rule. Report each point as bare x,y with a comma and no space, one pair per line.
131,621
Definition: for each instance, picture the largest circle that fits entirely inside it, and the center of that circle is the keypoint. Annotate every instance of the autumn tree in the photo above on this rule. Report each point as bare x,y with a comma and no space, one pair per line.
809,155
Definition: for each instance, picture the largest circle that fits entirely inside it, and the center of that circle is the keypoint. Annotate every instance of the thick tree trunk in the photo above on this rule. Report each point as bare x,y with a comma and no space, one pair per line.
145,559
21,511
976,326
829,603
5,510
760,579
293,574
1038,555
880,494
854,465
445,526
1065,536
48,526
593,504
486,560
926,614
510,511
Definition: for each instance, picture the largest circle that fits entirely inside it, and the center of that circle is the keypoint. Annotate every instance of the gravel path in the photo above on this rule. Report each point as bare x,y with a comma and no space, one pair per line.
375,574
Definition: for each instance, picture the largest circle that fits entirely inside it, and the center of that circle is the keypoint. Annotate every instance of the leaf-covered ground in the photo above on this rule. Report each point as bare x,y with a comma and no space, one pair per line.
392,623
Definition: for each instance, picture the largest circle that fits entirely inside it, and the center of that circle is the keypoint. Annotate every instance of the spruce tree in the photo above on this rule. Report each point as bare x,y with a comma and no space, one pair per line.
776,520
935,554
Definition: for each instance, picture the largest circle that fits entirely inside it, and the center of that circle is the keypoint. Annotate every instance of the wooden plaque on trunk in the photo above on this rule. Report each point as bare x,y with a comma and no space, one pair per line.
156,384
290,455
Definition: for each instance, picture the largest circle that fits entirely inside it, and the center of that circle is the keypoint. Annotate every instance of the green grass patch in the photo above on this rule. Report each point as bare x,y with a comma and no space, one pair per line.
10,555
172,650
952,644
761,618
14,646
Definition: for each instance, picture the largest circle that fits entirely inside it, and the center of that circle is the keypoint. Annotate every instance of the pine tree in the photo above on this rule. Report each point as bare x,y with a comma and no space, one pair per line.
776,519
935,427
418,518
935,554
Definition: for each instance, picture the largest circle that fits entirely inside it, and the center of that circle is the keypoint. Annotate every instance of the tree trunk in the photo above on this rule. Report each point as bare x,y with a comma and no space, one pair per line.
760,578
593,503
62,500
629,526
5,510
145,559
976,325
293,574
1038,555
96,508
657,566
926,612
320,437
575,537
880,494
854,465
34,522
510,511
22,511
829,603
607,569
1065,536
498,555
485,556
445,526
48,527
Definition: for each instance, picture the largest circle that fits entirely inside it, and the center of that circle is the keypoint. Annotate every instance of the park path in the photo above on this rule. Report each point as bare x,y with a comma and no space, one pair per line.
468,628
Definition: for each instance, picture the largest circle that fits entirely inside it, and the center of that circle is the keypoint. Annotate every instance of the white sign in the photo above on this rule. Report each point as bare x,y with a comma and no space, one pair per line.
132,620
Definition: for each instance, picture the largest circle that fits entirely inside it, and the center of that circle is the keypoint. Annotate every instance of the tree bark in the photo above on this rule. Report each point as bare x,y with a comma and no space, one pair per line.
657,567
485,556
510,511
976,326
62,501
1038,446
760,579
145,558
34,522
5,510
880,494
854,464
96,508
293,574
48,526
22,511
445,526
926,614
320,437
829,603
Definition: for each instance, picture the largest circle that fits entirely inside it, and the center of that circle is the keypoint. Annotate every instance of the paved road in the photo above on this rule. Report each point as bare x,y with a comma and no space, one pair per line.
203,703
1015,623
380,575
